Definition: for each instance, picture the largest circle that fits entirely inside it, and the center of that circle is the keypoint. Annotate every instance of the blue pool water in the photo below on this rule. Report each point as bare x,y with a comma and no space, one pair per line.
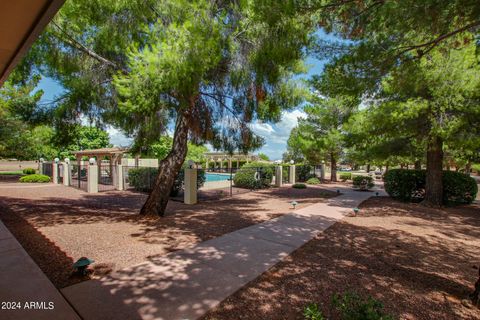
217,177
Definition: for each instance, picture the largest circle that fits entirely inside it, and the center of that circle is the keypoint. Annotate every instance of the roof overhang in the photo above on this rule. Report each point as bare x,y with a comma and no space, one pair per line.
21,22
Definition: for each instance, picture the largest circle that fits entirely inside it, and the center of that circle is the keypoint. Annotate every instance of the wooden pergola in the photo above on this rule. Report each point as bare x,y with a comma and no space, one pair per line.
115,156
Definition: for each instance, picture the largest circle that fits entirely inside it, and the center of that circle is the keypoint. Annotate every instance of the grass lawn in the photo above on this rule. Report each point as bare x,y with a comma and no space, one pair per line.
420,262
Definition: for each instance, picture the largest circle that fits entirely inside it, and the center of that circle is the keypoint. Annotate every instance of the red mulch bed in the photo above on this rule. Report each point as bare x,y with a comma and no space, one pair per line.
420,262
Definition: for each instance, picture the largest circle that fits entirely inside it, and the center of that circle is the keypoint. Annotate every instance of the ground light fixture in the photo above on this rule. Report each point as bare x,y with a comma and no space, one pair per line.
294,204
82,264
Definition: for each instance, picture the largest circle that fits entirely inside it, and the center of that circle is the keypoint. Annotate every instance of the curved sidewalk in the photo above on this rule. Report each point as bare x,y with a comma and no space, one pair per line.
186,284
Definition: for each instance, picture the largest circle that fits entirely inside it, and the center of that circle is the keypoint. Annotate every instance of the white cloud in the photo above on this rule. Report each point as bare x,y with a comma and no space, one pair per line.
117,138
276,135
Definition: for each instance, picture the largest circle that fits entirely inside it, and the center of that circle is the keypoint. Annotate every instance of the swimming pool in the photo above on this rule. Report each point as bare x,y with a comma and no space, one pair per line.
217,176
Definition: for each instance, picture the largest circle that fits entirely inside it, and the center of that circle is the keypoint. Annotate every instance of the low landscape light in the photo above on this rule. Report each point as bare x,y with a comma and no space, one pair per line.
294,204
82,264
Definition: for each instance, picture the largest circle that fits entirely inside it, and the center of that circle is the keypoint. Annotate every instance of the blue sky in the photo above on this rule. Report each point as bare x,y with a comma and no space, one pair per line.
275,134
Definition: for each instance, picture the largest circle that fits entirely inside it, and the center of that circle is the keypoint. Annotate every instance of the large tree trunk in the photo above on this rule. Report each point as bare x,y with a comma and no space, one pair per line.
434,185
168,169
333,165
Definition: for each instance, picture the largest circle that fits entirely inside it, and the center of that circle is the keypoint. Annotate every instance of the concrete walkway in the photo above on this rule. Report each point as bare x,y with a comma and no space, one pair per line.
187,283
24,287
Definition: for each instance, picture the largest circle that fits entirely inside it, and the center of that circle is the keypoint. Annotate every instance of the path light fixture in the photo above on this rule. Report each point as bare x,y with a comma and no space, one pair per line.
294,204
82,264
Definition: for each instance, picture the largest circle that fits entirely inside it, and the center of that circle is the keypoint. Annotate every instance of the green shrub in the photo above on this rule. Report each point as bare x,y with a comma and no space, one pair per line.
405,185
303,172
29,171
313,181
35,178
312,312
254,175
409,185
363,182
143,179
299,186
458,188
344,176
353,307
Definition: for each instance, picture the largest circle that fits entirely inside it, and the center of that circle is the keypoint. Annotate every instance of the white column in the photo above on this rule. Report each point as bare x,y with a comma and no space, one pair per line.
190,195
55,172
92,177
40,166
291,178
278,176
322,172
119,175
66,172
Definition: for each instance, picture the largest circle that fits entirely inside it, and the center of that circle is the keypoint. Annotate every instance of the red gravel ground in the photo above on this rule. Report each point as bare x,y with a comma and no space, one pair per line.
57,224
418,261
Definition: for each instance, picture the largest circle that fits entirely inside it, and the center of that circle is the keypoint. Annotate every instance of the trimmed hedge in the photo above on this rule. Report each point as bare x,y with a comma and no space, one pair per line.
303,172
313,181
143,179
35,178
363,182
254,175
29,171
405,185
409,185
344,176
299,186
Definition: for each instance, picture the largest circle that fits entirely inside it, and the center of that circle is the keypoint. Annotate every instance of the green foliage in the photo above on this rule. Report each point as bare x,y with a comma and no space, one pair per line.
458,188
35,178
313,312
476,167
143,179
353,307
254,175
29,171
313,181
344,176
405,185
299,186
263,156
86,138
409,185
362,182
161,149
303,172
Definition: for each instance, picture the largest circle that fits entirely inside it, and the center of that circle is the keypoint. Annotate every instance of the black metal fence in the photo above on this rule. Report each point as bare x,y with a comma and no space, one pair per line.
79,176
106,173
47,169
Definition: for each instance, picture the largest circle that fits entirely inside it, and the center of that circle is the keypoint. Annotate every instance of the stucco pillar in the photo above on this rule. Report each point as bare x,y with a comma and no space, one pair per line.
190,183
278,176
291,178
55,172
92,177
238,163
66,172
